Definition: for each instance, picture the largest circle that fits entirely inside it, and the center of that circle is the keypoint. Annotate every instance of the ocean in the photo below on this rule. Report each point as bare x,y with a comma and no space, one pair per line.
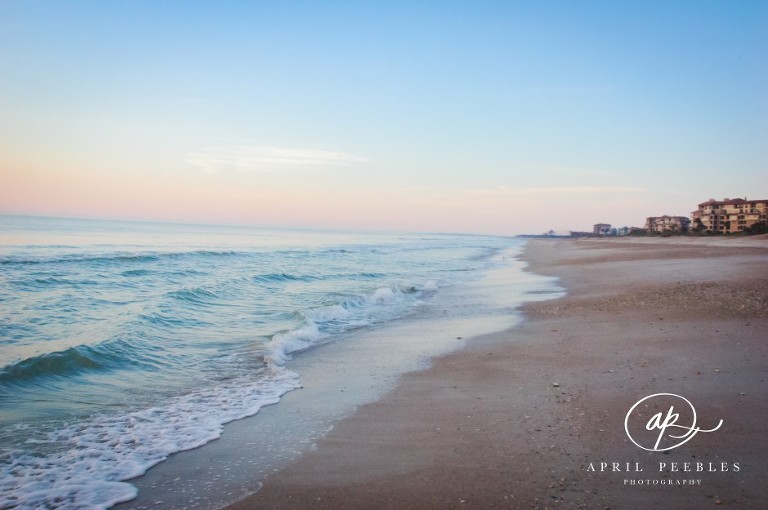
123,343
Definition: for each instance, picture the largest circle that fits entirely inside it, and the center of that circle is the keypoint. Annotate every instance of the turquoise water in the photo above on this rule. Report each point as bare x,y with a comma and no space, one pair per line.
122,343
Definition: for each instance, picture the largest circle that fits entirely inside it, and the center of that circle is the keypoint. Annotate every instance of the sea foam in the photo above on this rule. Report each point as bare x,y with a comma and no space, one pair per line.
95,456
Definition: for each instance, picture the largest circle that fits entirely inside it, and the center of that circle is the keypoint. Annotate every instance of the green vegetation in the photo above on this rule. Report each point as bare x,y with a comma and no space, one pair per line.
756,228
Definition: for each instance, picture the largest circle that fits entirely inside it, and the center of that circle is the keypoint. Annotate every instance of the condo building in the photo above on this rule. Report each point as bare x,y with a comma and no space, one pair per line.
729,216
660,224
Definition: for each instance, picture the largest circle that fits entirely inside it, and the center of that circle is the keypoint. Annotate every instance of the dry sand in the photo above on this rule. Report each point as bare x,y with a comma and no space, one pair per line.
515,419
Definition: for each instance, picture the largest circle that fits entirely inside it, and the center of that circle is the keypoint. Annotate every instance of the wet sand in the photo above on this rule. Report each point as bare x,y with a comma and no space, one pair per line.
516,419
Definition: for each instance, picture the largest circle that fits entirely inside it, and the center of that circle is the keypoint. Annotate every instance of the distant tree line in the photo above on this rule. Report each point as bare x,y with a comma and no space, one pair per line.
698,229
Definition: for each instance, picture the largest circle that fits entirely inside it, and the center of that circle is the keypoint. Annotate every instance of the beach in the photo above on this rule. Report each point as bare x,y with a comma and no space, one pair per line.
383,255
534,416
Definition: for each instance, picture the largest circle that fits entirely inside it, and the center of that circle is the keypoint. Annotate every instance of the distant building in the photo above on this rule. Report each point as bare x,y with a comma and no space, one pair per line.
601,229
660,224
729,216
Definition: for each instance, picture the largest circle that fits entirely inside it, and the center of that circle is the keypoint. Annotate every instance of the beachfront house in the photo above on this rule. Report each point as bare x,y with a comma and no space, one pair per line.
659,224
601,229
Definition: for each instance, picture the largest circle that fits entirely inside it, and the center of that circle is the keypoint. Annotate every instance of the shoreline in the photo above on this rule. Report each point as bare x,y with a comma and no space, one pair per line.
356,368
514,419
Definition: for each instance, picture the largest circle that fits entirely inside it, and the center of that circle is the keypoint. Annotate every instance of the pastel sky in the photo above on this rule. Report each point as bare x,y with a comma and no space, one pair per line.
483,117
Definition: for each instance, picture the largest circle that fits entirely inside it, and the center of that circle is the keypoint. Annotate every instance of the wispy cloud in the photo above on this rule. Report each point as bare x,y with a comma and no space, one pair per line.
264,158
556,191
506,195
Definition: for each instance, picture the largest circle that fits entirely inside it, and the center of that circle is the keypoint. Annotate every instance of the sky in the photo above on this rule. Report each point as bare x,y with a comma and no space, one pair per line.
478,117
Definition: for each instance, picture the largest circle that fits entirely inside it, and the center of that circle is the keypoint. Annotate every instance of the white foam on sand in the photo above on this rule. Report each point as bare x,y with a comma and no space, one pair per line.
91,460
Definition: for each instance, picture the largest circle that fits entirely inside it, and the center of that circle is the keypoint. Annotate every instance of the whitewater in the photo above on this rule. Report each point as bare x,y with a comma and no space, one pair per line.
123,343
